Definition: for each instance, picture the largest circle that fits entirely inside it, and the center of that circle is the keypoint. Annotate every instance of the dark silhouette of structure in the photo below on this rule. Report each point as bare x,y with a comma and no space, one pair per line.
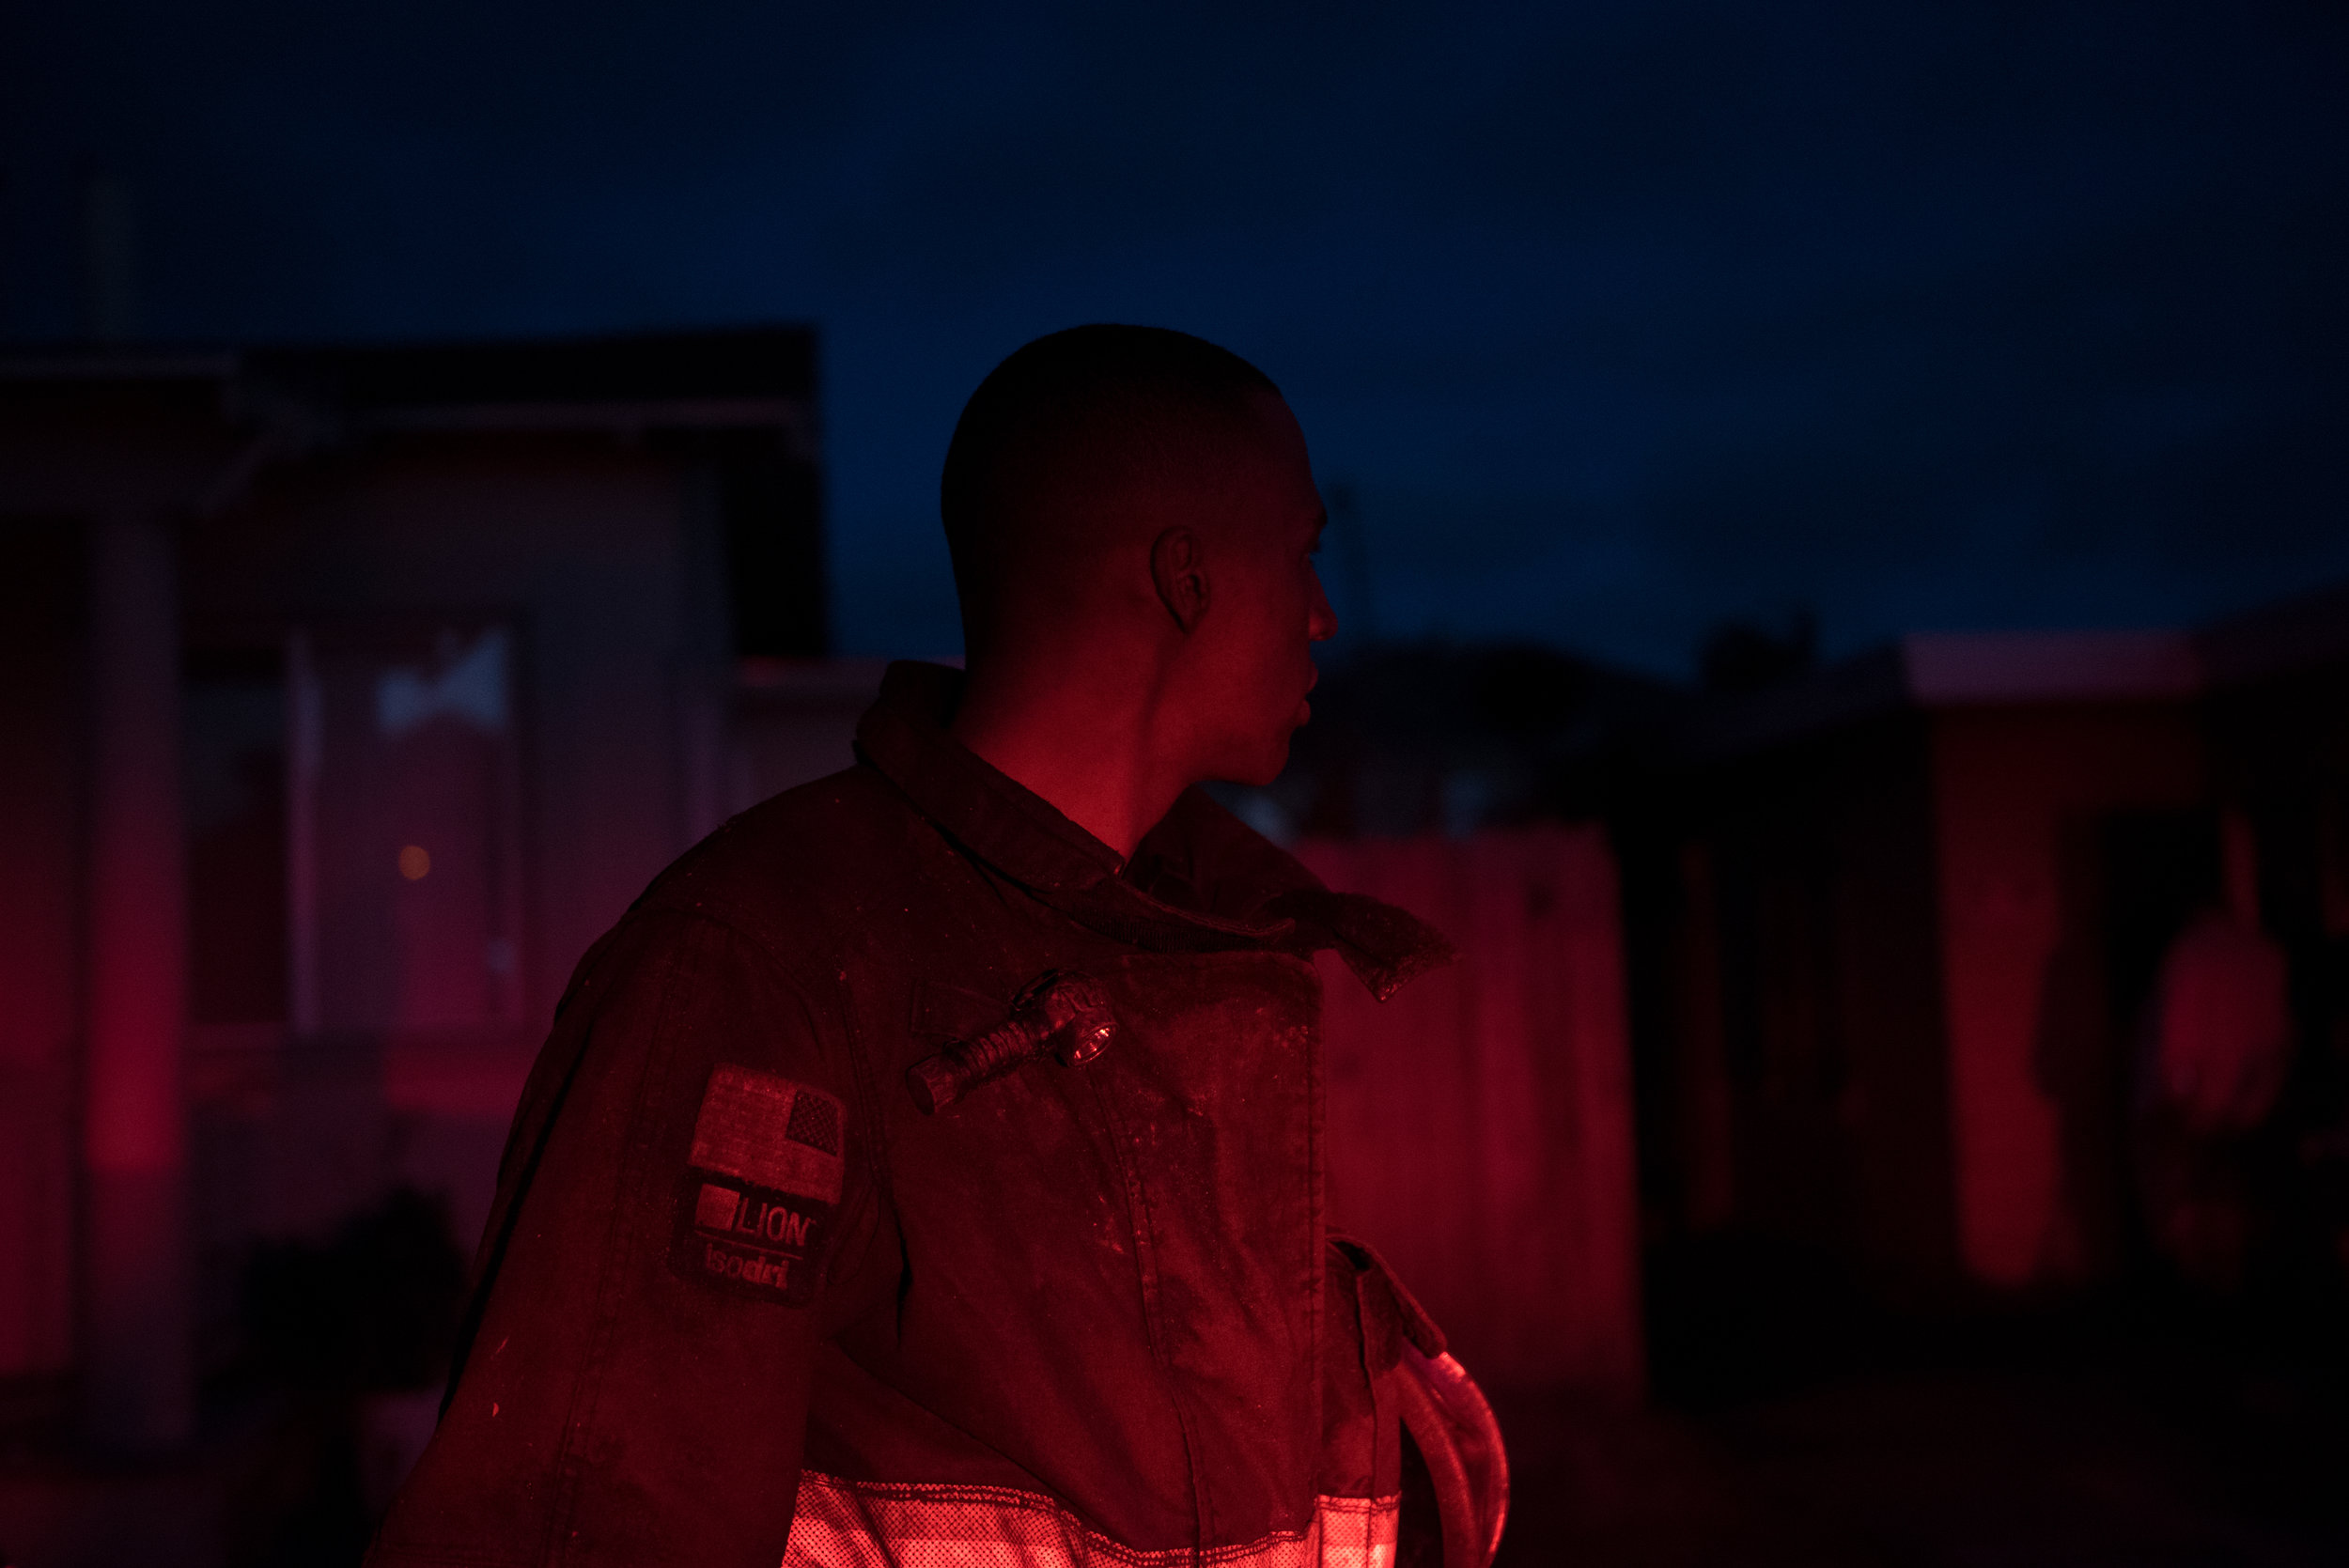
1898,924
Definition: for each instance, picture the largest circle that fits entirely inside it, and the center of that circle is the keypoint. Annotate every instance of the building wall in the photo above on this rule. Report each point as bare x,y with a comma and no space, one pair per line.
42,629
1924,970
87,1261
2037,1058
1811,1062
2281,748
575,580
550,613
1889,999
1479,1122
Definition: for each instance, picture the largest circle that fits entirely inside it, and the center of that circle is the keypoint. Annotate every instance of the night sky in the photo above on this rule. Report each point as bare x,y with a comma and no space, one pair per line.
1614,320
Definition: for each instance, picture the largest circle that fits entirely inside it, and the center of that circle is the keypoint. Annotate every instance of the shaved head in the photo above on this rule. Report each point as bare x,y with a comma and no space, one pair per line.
1077,448
1133,519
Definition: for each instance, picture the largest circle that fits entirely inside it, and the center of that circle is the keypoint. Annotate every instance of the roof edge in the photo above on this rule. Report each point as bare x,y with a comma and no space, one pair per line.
1929,670
2003,668
2279,639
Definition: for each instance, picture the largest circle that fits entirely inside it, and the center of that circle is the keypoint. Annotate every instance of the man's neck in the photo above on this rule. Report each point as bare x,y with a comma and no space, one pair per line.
1083,746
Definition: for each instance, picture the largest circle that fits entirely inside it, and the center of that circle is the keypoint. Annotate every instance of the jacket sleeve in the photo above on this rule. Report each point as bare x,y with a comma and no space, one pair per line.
633,1387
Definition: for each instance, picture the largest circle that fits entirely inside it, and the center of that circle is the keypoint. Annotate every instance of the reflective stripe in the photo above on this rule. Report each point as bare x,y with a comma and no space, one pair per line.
1357,1533
858,1524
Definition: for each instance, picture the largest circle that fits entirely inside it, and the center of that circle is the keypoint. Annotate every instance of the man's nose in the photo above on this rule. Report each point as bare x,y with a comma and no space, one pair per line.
1321,622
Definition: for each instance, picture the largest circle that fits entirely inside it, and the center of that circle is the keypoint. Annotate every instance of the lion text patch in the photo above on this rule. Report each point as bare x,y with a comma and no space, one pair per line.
763,1179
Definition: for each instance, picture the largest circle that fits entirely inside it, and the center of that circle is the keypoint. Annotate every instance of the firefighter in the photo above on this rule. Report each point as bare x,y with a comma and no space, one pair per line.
927,1169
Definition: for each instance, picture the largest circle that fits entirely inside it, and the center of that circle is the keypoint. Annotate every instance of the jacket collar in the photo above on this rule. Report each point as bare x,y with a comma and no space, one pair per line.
1201,880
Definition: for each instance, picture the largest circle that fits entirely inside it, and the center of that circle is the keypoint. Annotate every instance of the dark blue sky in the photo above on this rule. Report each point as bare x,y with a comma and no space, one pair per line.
1617,318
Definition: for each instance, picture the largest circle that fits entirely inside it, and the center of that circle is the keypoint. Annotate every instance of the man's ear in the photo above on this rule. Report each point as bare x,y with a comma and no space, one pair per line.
1179,569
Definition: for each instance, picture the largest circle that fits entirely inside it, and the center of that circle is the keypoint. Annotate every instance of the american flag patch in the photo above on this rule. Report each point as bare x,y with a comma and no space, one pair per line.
771,1131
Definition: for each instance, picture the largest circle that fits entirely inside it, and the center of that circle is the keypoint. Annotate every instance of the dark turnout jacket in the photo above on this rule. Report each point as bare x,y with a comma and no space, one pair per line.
741,1295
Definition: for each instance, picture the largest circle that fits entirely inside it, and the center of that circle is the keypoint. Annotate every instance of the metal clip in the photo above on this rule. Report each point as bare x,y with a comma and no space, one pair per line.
1059,1005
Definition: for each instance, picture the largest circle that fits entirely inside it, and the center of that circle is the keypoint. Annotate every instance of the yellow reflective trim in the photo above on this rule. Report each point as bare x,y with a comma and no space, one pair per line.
844,1523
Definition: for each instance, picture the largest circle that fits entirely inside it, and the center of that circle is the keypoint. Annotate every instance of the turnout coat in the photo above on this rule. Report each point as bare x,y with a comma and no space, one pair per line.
742,1302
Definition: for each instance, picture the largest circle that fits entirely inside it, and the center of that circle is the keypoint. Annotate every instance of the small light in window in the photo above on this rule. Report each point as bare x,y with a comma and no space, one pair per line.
415,863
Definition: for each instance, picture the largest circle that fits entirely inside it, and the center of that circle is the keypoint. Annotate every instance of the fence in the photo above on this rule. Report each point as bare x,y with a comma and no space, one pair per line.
1480,1123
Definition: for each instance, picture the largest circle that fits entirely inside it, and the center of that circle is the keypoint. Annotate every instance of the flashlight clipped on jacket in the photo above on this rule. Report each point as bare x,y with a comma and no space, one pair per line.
1061,1010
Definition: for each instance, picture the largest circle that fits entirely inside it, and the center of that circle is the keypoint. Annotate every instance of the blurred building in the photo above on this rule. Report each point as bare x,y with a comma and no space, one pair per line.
1910,924
1913,945
346,694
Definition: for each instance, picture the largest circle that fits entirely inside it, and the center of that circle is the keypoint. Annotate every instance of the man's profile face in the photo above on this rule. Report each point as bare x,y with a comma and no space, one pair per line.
1268,608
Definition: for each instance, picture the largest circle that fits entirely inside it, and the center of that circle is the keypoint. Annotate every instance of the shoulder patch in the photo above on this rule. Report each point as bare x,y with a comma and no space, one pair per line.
761,1185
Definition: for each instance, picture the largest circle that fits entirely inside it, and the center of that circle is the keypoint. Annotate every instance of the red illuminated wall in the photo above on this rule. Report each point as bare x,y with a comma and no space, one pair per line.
1480,1123
1900,935
40,917
2037,1056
